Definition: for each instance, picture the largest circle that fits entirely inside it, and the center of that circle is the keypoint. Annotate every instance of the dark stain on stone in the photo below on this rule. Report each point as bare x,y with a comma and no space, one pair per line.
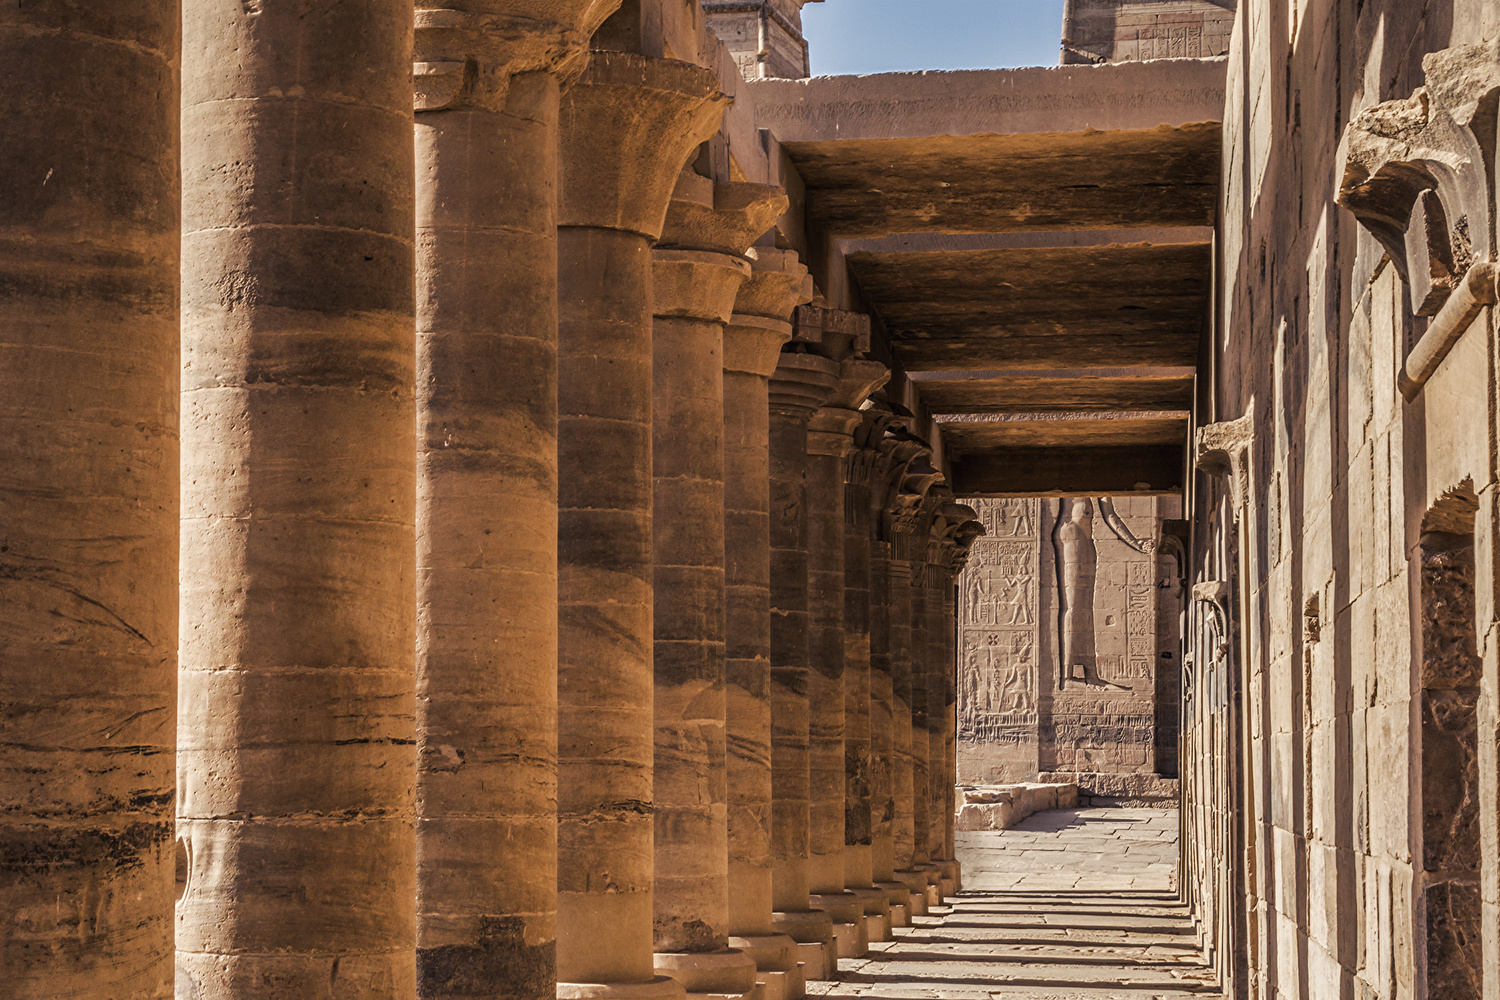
499,965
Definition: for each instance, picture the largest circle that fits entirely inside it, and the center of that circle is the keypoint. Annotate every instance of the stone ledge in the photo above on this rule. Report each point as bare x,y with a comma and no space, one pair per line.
1151,791
1000,807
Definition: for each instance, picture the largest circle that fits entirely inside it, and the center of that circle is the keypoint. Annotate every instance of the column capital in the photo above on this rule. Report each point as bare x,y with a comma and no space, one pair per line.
627,127
801,384
720,216
761,323
831,430
466,52
695,284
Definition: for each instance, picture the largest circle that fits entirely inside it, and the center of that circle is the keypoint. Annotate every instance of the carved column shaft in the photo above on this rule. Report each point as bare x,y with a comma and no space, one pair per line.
89,153
882,717
899,594
487,100
799,386
297,727
859,681
697,274
921,668
825,676
627,128
939,681
752,345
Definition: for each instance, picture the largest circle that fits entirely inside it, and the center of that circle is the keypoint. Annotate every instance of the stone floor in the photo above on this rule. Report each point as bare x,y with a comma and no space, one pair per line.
1077,903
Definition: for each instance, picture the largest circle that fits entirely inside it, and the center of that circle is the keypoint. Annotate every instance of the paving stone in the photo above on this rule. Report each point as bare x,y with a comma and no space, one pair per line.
1100,922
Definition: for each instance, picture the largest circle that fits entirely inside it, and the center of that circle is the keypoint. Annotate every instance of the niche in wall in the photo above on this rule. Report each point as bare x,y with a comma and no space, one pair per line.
1450,676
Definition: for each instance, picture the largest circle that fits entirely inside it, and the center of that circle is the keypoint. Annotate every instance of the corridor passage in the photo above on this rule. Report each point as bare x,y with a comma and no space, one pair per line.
1073,903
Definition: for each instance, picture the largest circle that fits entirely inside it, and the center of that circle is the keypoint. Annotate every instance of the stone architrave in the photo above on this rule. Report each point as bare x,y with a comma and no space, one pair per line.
627,129
753,339
488,75
296,722
697,271
999,637
89,274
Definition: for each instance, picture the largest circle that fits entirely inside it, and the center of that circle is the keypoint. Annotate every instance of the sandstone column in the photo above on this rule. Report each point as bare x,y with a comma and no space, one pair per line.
89,146
829,441
697,271
859,681
752,345
938,663
891,455
296,724
627,128
486,148
799,385
903,833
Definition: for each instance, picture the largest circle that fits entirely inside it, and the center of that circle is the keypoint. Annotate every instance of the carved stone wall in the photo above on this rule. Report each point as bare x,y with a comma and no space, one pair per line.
999,644
1062,637
1096,31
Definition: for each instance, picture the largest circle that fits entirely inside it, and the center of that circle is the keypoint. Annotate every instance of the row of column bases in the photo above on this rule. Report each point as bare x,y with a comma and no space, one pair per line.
555,615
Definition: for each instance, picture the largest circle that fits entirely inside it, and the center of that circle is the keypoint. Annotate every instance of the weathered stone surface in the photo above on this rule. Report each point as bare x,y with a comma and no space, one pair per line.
89,279
297,735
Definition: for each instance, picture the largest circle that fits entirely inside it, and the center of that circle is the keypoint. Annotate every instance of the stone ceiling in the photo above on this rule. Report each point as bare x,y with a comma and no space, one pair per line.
1037,247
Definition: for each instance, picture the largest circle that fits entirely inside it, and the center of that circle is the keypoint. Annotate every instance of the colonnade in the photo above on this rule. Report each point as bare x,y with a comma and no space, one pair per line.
563,609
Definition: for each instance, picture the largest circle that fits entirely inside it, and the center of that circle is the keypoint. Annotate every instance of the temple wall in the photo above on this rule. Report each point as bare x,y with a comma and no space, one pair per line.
1334,731
1062,635
1128,30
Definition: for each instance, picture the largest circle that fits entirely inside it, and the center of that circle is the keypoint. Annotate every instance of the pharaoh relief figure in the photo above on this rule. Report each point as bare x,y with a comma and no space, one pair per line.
1077,565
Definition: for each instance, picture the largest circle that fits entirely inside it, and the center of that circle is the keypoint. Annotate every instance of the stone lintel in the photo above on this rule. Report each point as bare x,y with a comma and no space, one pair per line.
1124,96
1078,470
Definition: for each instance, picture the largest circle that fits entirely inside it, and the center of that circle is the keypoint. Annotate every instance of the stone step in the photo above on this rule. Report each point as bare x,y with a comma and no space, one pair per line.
816,961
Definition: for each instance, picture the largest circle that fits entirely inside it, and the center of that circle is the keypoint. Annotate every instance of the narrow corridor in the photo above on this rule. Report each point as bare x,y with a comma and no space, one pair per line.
1072,903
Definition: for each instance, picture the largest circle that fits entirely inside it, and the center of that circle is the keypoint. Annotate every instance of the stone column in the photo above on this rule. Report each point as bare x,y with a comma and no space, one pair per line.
89,150
939,660
951,538
627,128
487,100
697,271
829,440
752,345
887,713
902,525
296,708
799,385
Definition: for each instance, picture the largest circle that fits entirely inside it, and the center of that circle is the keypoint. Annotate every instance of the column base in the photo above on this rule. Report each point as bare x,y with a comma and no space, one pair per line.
657,988
934,876
813,932
898,902
953,870
777,969
915,882
877,913
848,913
728,973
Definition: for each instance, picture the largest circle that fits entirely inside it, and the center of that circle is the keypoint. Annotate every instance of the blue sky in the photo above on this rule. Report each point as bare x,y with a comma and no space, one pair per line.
882,36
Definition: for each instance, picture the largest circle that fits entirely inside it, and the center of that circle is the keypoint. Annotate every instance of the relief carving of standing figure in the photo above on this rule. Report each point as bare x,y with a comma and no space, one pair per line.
1077,565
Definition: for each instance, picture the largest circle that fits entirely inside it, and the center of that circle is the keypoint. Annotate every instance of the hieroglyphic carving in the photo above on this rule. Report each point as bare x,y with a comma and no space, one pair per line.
1140,623
998,626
